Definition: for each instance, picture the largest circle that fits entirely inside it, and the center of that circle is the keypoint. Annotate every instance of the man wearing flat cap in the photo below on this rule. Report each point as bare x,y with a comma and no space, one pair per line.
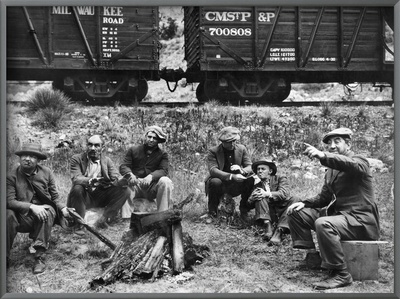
270,197
96,183
229,165
146,167
33,203
345,209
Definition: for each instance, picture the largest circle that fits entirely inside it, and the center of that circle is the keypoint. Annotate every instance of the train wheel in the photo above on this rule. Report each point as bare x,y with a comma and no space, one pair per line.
200,94
142,89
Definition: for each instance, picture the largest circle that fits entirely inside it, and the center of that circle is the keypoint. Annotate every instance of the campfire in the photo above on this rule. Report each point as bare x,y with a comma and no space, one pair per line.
154,245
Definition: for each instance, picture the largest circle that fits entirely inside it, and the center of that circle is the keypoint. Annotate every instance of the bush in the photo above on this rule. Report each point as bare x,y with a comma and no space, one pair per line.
47,98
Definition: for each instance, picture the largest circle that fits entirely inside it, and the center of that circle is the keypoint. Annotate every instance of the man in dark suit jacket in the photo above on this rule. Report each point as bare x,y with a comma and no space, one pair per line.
270,197
33,203
96,183
345,209
229,164
146,166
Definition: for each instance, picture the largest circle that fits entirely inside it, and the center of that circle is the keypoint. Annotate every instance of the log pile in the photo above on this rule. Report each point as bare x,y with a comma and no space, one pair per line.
154,244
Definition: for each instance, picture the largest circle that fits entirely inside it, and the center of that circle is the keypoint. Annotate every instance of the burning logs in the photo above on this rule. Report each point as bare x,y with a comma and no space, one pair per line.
154,243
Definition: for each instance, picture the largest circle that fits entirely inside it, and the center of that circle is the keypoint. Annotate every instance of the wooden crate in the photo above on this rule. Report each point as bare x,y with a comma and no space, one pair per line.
362,258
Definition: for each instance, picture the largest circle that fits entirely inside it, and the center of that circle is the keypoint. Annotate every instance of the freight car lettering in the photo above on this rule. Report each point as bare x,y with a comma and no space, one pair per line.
282,54
113,20
114,11
65,10
266,16
230,31
323,59
227,16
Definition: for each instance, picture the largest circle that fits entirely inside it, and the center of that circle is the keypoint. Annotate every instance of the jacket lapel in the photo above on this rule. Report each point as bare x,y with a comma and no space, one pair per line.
220,157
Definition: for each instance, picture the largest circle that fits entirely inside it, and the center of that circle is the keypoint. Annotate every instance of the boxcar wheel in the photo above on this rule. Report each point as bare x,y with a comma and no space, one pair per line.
200,94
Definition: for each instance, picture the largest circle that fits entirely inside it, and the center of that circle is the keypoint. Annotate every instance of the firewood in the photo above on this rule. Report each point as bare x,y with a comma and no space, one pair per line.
177,248
157,251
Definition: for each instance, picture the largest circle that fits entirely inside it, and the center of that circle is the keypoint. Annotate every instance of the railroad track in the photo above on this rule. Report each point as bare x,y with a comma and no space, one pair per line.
282,104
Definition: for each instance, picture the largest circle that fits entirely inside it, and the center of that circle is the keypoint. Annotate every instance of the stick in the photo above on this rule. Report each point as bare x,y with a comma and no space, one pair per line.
80,220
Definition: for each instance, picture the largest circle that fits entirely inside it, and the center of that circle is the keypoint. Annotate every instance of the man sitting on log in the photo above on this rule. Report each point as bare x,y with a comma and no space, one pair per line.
146,167
345,209
229,164
270,198
96,184
33,203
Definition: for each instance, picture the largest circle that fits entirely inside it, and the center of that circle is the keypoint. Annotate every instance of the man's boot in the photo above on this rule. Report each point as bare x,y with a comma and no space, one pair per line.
267,230
337,279
39,266
277,237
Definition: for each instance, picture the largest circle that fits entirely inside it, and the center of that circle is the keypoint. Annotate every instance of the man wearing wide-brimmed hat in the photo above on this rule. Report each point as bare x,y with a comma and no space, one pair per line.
270,198
146,166
229,165
96,183
33,203
345,209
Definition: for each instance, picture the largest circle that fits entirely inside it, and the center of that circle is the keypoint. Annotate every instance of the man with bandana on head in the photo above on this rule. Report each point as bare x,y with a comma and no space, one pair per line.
146,167
96,183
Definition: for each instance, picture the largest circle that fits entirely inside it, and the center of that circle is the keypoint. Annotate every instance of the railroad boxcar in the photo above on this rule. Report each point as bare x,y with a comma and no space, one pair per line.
256,53
93,51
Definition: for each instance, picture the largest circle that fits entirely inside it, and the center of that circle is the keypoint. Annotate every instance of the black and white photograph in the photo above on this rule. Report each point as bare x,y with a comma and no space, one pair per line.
198,148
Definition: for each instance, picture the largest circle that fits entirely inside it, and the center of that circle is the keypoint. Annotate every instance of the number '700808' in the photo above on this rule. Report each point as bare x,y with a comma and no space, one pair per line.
230,31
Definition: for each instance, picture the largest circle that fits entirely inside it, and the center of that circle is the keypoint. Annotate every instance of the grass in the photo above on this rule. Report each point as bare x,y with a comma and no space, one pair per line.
239,261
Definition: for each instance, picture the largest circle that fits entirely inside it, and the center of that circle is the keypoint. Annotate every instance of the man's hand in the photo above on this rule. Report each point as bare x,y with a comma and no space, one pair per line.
238,178
297,206
132,179
147,180
65,212
313,152
259,192
94,182
40,212
237,169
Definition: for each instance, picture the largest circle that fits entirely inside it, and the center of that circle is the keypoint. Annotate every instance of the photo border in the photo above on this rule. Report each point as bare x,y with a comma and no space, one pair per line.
3,140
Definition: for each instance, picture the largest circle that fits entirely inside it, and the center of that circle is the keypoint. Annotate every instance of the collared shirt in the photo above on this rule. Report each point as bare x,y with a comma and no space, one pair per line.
94,168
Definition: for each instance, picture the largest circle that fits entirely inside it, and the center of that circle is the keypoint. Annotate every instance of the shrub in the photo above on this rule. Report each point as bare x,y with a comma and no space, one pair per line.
47,98
48,118
327,108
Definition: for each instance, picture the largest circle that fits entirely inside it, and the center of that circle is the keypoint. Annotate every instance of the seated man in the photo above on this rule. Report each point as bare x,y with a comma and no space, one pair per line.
96,184
146,166
229,164
345,209
270,199
33,203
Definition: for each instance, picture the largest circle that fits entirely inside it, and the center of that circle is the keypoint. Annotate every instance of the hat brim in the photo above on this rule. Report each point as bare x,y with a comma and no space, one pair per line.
39,155
270,164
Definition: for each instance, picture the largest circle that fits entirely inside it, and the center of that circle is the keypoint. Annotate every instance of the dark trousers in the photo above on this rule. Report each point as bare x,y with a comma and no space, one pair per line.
330,230
112,199
216,188
39,231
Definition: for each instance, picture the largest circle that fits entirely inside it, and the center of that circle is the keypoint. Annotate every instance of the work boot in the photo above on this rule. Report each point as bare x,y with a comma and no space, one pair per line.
245,217
338,279
101,223
276,237
39,265
312,261
80,230
267,230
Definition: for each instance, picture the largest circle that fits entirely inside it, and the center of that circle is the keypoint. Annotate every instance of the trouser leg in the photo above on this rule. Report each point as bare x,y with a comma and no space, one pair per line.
111,199
215,191
78,198
330,231
12,229
282,217
164,189
42,230
300,224
262,211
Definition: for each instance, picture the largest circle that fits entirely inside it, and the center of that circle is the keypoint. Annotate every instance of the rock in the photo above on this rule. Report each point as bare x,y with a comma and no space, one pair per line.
296,164
375,164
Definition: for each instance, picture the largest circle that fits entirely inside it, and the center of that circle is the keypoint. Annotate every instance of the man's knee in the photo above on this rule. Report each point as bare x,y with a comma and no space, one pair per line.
11,218
165,181
77,191
215,183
